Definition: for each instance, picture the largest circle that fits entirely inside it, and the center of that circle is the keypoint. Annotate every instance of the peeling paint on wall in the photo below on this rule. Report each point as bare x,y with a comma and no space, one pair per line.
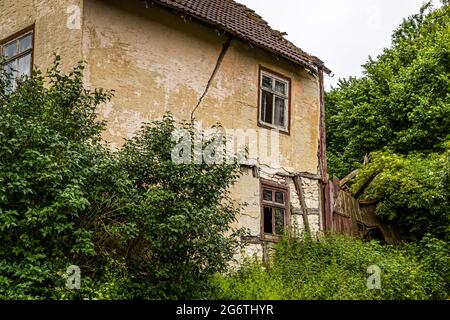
169,62
156,62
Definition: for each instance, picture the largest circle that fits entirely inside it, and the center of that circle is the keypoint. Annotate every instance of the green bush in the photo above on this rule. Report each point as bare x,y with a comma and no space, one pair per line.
335,268
52,165
181,234
137,224
411,191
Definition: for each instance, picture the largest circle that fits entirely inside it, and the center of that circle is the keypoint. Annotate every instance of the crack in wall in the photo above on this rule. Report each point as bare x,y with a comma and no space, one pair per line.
222,54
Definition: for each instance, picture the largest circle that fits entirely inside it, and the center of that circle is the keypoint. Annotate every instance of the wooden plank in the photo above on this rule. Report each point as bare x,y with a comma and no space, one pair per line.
301,197
365,185
349,177
308,175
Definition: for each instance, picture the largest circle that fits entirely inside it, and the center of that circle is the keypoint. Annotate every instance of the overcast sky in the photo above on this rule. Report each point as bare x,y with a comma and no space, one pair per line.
343,33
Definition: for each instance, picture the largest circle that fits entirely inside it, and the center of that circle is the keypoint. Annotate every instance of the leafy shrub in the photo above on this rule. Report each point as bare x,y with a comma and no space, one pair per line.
399,114
182,234
50,159
411,191
335,268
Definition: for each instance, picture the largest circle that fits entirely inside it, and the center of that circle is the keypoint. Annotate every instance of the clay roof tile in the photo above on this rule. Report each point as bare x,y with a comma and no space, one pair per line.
244,23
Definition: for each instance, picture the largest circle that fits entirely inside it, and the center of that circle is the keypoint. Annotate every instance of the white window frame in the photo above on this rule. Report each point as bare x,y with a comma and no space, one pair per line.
285,98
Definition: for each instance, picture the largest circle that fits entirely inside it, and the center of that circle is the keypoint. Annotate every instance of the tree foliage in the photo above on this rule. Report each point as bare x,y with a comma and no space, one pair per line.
403,100
137,224
411,191
399,113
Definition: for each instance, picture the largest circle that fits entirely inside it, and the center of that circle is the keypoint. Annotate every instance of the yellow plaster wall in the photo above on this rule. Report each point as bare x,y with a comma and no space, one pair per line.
156,62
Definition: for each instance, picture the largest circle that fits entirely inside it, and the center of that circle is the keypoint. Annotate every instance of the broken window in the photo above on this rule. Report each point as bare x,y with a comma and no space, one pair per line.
16,55
274,209
274,101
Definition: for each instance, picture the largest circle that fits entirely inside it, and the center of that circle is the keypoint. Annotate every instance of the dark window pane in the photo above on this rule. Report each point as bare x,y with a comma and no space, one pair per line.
280,87
10,49
25,42
267,82
279,197
267,107
279,221
280,111
268,220
267,195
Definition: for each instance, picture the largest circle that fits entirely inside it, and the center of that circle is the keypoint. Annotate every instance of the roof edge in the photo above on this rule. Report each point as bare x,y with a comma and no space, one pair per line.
314,64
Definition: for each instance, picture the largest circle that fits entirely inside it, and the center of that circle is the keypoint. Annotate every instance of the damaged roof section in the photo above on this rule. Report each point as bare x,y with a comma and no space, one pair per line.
245,24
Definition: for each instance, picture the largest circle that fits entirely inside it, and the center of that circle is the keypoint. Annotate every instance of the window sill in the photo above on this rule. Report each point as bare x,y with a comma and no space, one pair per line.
271,237
269,127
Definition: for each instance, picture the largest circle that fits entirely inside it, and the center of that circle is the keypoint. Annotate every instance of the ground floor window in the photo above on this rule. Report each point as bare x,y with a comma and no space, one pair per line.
274,209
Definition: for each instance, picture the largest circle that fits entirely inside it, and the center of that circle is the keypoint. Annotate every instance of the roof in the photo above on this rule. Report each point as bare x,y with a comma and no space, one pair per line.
245,24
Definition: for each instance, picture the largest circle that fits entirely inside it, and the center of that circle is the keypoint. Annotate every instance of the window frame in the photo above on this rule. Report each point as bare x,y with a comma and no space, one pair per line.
271,185
16,36
277,76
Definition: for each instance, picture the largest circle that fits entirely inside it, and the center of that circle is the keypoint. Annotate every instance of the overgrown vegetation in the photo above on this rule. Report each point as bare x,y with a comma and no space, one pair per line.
399,113
335,268
142,226
412,191
137,224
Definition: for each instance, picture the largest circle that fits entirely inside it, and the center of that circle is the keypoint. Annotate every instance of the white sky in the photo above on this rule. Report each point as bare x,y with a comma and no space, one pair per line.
343,33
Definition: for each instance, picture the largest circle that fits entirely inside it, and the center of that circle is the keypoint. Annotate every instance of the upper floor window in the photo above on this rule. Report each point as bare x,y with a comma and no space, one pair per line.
274,100
16,55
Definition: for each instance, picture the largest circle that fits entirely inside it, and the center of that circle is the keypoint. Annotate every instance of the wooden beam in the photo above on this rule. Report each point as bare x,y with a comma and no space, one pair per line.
361,190
301,197
308,175
349,177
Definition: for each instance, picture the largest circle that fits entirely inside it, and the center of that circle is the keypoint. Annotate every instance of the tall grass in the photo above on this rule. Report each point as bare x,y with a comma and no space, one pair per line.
335,268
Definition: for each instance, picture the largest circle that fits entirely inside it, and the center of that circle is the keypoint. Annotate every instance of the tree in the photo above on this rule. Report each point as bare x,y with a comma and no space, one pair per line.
402,102
411,191
399,113
50,153
137,224
183,233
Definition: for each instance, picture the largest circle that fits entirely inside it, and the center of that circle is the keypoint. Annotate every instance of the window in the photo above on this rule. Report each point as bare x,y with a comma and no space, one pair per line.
274,100
274,210
16,54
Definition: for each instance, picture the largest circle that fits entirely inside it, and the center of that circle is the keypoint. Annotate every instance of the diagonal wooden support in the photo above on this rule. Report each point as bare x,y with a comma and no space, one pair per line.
301,197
